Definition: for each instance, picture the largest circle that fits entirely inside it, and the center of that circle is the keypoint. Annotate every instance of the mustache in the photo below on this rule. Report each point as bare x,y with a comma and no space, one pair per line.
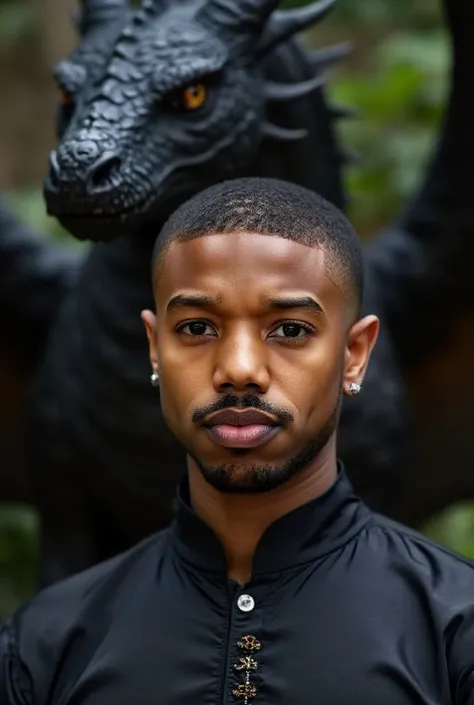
249,401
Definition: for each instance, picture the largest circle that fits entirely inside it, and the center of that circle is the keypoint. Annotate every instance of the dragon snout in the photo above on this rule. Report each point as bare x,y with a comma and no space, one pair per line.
84,162
84,176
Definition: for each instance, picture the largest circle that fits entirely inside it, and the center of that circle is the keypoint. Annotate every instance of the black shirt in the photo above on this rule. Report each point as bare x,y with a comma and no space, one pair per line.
344,607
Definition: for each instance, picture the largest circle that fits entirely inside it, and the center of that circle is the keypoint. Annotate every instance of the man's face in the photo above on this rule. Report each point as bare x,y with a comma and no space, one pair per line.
253,344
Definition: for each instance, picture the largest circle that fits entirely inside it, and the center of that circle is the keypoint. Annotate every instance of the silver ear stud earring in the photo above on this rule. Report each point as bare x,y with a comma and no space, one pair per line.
155,379
353,389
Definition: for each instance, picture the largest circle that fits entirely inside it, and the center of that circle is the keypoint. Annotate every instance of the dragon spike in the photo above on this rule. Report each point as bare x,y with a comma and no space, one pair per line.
282,134
275,92
344,112
96,12
321,59
241,16
285,23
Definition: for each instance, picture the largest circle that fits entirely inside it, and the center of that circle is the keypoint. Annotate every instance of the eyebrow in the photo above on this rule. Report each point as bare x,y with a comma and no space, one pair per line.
280,303
304,302
190,301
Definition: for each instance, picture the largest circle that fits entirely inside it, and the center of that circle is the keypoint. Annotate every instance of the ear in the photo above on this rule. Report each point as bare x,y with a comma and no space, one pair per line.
149,321
360,342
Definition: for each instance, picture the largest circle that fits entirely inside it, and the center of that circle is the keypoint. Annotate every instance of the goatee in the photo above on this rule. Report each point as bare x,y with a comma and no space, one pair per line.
252,478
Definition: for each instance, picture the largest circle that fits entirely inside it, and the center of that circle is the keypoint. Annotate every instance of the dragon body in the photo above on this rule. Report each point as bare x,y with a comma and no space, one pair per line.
157,103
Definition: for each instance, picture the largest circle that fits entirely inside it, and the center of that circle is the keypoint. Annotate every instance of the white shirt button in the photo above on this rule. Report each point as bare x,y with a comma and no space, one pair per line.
246,603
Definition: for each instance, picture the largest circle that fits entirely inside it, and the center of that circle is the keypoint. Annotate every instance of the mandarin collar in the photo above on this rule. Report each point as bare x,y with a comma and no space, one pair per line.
320,526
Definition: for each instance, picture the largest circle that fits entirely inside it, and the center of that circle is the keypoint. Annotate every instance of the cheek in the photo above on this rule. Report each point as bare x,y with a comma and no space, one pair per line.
313,383
175,405
182,382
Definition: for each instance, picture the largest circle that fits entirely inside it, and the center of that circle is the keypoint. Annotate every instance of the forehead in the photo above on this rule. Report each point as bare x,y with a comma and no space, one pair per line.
243,267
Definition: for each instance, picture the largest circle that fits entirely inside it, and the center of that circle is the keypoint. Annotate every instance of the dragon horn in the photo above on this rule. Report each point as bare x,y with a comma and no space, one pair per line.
246,17
239,16
94,12
285,23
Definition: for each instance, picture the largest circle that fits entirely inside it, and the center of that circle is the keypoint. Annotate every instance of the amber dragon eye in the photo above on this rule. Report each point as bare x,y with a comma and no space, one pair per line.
193,97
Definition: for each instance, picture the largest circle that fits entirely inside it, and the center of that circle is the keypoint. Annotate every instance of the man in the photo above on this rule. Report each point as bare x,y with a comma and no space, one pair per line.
275,584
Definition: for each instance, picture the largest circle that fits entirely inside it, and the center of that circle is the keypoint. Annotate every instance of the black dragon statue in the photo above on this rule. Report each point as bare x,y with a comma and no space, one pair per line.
35,275
157,102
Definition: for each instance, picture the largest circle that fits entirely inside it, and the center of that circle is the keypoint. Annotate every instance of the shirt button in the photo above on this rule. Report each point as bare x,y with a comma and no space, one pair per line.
246,603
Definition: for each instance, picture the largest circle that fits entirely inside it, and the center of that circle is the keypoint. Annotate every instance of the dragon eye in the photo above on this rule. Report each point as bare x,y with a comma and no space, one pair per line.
193,97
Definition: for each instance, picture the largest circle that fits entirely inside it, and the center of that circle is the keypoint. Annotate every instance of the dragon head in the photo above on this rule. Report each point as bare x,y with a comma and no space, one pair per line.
162,100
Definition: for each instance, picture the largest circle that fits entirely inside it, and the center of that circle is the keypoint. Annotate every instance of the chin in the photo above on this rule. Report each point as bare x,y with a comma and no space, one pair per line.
242,474
246,478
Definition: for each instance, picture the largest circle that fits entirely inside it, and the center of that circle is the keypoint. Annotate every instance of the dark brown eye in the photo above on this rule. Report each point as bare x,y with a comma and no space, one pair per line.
197,328
292,330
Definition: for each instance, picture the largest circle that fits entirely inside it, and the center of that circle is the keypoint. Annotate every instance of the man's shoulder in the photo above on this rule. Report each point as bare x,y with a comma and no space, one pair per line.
440,582
424,554
33,640
82,584
54,610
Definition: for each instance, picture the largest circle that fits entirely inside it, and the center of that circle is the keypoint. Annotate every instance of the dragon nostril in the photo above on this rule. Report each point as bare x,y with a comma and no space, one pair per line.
105,170
84,168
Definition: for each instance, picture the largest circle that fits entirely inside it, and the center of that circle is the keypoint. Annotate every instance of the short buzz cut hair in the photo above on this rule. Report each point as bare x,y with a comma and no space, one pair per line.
267,206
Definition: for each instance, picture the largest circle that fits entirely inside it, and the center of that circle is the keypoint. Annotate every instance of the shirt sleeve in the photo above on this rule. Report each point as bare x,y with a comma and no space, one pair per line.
40,635
465,691
459,635
16,687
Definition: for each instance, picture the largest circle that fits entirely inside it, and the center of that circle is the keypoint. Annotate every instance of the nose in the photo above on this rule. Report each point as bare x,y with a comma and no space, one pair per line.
242,364
85,166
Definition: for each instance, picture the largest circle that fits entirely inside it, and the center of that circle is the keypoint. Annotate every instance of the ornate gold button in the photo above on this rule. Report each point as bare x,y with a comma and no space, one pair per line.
245,692
246,663
249,643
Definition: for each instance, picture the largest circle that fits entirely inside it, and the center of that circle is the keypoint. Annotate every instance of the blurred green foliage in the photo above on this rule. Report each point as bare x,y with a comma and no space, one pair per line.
401,99
17,22
454,528
18,556
398,79
29,205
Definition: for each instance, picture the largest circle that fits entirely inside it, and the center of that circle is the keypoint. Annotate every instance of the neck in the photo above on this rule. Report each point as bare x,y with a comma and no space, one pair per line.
239,521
